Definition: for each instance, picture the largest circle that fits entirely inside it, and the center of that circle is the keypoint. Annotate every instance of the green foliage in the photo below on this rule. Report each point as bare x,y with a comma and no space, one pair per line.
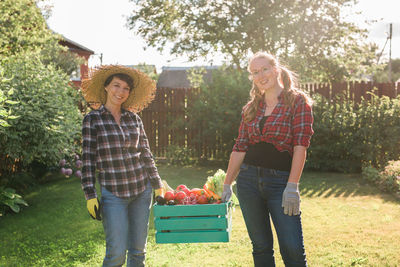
178,155
5,102
9,199
195,76
46,122
61,58
327,48
149,70
217,108
23,28
388,179
382,75
370,173
348,136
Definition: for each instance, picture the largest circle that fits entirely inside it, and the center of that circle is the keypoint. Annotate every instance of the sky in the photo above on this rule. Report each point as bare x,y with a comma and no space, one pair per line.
100,25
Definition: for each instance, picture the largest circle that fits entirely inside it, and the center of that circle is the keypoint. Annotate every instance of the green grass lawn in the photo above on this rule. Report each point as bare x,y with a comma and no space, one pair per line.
345,221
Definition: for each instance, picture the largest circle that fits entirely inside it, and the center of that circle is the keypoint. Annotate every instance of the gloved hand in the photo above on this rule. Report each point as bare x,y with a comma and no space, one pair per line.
93,207
227,193
291,199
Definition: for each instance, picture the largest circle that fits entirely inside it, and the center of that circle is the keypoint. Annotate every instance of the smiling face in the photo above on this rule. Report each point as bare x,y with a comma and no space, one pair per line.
264,75
117,92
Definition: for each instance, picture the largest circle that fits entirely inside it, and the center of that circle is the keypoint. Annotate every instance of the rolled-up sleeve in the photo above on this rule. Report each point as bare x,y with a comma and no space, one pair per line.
242,141
147,158
89,148
302,123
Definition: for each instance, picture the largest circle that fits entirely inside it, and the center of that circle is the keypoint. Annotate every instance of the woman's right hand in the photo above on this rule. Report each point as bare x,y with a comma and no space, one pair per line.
93,207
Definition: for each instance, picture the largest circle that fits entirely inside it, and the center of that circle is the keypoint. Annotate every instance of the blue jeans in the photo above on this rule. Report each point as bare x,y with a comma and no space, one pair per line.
125,223
260,196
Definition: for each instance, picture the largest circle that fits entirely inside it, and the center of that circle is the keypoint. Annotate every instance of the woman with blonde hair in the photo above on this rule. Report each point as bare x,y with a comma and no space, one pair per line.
268,159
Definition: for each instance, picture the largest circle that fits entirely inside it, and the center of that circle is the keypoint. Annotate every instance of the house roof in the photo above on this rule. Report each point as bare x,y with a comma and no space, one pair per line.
74,45
177,77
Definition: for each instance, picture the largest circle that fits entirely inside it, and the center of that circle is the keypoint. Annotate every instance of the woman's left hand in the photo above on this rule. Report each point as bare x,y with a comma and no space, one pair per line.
291,199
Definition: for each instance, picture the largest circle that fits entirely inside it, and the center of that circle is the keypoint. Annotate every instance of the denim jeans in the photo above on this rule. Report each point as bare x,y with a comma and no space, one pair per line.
125,223
260,196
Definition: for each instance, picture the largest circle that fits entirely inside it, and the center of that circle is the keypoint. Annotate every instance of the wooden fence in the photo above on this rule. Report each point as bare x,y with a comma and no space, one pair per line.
170,105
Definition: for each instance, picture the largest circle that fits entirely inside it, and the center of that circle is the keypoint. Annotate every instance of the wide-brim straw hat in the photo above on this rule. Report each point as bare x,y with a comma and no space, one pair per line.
141,94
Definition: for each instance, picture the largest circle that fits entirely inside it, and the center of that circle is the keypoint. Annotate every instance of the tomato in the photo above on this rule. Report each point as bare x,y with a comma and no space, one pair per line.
183,188
169,195
202,199
180,196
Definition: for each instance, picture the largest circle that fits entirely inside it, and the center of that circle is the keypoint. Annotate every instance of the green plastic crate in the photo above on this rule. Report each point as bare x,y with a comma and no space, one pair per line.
193,223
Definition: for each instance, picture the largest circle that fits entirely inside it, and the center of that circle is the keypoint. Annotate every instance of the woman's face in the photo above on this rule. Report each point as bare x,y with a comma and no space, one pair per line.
265,76
117,91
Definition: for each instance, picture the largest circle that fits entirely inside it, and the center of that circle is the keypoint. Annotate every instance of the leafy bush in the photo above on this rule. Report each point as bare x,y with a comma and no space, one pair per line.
217,108
47,120
178,155
9,199
388,179
348,136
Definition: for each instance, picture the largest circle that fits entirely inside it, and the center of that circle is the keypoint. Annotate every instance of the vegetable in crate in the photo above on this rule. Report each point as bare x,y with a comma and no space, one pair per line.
215,186
215,183
183,188
160,200
166,186
169,195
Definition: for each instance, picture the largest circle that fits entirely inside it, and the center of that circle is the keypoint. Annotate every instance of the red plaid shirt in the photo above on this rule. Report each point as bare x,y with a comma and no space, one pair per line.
285,128
120,154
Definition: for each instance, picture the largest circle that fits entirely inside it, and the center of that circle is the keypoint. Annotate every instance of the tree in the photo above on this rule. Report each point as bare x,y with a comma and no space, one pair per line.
383,75
311,35
24,30
45,124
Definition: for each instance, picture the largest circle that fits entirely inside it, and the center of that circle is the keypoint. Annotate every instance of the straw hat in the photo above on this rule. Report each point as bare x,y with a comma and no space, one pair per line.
141,95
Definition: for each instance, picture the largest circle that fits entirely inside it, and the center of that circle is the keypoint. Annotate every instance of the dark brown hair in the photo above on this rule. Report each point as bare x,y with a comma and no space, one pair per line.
122,76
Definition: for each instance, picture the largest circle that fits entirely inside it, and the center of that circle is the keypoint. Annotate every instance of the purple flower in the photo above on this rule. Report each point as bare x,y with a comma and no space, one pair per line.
62,162
76,156
79,163
68,172
78,174
63,171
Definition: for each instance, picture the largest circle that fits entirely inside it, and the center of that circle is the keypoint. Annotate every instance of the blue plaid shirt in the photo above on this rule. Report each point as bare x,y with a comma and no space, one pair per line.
121,154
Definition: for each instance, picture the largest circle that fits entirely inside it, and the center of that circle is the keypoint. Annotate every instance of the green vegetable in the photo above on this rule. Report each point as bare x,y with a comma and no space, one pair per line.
215,183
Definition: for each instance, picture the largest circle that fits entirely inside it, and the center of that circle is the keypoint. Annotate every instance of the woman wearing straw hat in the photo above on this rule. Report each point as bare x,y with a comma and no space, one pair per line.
115,144
268,159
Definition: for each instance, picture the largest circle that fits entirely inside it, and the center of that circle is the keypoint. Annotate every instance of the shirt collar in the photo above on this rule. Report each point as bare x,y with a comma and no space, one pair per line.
103,110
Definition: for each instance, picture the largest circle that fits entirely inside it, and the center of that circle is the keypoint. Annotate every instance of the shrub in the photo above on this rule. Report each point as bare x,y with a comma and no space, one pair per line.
348,136
47,120
217,108
178,155
388,179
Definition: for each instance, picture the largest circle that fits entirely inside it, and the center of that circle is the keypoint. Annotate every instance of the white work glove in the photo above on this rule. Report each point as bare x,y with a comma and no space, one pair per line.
291,199
227,193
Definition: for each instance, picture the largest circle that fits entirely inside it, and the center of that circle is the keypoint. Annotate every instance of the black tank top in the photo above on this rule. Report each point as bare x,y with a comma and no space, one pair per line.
265,155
